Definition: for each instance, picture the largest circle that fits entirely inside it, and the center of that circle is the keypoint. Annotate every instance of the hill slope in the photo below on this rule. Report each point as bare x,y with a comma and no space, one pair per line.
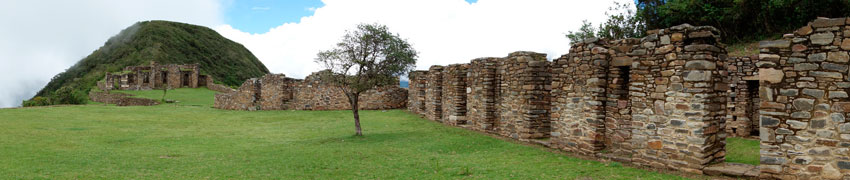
164,42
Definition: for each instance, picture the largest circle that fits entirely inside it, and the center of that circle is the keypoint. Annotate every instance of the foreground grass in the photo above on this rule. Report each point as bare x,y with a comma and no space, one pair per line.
178,142
742,150
202,97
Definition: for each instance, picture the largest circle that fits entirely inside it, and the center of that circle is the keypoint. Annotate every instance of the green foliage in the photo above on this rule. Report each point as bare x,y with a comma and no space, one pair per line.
163,42
740,20
69,95
188,142
623,22
367,57
37,101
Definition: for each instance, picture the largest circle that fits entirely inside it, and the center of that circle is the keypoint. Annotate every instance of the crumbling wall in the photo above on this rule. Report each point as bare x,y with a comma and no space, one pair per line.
742,101
434,94
804,103
523,103
416,89
454,94
244,98
275,92
481,97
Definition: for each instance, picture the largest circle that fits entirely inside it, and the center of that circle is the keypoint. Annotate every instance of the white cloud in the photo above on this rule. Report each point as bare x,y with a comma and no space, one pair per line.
39,39
443,31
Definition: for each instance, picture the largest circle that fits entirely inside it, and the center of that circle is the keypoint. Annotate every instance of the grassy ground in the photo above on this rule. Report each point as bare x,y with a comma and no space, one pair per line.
201,97
189,140
742,150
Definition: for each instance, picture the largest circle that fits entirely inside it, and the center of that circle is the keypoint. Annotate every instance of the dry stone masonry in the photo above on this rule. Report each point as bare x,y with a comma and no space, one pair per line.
278,92
804,102
155,76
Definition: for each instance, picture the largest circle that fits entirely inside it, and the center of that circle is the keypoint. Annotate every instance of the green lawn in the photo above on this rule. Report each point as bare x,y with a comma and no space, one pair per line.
186,96
192,142
742,150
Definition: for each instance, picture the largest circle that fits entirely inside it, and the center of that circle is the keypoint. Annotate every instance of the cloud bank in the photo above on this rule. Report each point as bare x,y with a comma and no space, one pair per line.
39,39
443,31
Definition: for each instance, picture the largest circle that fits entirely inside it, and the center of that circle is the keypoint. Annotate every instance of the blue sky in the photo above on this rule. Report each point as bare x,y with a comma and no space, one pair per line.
258,16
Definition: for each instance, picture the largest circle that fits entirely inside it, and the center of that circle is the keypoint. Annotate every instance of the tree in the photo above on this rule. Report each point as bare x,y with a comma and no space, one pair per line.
586,31
623,22
367,57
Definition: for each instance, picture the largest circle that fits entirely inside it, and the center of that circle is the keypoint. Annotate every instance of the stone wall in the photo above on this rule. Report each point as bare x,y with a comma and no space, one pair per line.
416,89
481,96
523,100
804,103
742,102
277,92
434,94
454,94
155,76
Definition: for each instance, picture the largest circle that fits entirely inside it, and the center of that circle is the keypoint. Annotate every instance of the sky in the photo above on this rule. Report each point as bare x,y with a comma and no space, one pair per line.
39,39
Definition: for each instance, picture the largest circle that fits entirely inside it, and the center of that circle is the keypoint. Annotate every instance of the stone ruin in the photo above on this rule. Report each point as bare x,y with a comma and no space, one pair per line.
278,92
155,76
668,100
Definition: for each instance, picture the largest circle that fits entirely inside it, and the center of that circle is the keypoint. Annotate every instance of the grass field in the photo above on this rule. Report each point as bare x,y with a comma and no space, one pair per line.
742,150
192,141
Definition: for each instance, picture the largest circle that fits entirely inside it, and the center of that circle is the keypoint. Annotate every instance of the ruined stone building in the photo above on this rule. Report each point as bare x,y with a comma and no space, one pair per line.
155,76
277,92
668,100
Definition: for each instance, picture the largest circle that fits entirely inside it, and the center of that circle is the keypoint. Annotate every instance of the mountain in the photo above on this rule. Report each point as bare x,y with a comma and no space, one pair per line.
164,42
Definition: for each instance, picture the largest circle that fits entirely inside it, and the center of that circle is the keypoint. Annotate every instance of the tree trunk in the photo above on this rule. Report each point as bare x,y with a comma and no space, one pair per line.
355,109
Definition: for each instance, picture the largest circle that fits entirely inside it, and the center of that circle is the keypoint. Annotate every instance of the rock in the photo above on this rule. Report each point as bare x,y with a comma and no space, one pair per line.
767,121
831,172
819,123
697,75
805,67
833,67
837,94
838,57
844,128
768,57
788,92
819,23
704,47
665,40
803,160
700,65
796,60
622,61
771,75
805,30
801,115
816,93
799,48
845,165
837,117
664,49
822,38
796,124
817,57
803,104
774,44
676,37
772,160
845,44
825,74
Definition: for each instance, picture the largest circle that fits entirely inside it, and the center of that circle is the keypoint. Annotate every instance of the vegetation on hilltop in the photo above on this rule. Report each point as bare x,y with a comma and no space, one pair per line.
739,21
163,42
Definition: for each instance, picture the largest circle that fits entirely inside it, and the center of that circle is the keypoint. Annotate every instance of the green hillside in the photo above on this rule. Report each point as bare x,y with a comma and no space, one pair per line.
164,42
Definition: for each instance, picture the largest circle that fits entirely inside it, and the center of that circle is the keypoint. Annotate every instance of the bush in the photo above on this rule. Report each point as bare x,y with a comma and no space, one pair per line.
69,95
37,101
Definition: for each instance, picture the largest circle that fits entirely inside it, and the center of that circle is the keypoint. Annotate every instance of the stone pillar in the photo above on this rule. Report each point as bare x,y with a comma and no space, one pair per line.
416,91
579,92
454,94
679,116
524,97
804,102
434,94
481,96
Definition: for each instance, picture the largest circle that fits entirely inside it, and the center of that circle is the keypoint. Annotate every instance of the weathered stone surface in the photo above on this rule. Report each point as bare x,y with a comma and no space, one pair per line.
788,92
845,45
805,30
767,121
816,93
773,160
837,117
771,75
834,67
838,57
822,38
837,94
825,74
817,57
819,23
775,44
703,47
797,124
799,48
700,65
801,115
803,104
805,67
695,75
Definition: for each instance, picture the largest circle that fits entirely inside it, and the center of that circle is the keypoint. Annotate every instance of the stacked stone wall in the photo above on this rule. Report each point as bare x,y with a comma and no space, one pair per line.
804,103
416,88
434,94
277,92
481,97
454,94
742,100
523,103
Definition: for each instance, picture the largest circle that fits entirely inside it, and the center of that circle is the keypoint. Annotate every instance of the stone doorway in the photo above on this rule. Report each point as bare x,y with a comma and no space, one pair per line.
185,79
618,111
753,106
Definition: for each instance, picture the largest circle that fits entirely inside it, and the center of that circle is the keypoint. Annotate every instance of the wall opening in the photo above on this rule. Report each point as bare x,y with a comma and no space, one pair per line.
185,79
618,111
164,79
753,106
